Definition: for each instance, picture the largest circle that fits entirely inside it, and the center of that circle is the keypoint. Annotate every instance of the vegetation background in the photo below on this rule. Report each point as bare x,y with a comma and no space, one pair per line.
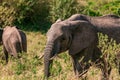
35,18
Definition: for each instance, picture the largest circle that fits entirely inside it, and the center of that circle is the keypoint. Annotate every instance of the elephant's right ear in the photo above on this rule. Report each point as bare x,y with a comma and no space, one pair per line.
83,35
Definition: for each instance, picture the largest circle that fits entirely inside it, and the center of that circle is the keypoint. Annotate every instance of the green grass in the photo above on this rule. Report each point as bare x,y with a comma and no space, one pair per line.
30,67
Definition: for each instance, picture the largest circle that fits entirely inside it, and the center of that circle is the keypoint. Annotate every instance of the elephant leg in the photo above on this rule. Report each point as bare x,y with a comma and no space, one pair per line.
16,49
76,65
87,57
118,67
81,61
6,54
117,62
105,68
24,46
102,64
23,42
78,68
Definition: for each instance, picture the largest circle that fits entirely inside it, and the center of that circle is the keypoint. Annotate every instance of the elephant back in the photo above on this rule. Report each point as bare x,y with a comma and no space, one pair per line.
11,34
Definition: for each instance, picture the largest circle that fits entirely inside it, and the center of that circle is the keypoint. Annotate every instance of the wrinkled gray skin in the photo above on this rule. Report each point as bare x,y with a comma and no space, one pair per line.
78,37
108,24
14,41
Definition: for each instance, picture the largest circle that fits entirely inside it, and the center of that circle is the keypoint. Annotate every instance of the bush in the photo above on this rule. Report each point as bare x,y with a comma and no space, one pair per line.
112,7
41,13
65,8
62,9
24,10
7,14
20,12
109,48
100,7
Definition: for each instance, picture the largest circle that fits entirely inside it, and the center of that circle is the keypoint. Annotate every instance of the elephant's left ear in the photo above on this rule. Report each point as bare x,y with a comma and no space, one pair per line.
83,35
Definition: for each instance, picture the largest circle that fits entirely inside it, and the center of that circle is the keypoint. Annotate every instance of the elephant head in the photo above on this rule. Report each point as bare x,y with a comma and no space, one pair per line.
67,35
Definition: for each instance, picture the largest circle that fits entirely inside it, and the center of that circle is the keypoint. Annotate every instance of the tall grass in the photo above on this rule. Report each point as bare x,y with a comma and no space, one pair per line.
30,66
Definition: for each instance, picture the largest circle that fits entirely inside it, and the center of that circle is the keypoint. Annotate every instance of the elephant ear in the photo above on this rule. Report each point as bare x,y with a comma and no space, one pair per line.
83,35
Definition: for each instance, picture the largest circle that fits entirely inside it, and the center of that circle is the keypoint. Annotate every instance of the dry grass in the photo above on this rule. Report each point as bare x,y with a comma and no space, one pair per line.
30,67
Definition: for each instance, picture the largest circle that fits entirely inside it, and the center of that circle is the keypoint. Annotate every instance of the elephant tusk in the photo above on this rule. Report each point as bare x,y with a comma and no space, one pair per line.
80,75
54,57
40,57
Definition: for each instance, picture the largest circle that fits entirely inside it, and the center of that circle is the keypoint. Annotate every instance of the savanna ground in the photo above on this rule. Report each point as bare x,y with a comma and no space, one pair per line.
30,66
42,13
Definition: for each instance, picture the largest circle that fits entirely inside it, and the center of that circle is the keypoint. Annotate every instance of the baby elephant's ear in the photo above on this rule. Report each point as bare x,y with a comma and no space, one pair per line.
58,20
83,35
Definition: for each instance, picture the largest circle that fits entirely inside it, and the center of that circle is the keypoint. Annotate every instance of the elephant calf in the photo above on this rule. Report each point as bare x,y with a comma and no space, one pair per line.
14,41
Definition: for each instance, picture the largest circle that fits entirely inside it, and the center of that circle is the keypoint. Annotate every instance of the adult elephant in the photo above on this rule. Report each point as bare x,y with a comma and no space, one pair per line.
108,24
14,41
78,37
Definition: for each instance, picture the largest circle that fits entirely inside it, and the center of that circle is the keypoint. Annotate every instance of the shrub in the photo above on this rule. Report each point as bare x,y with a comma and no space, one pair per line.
62,9
100,7
112,7
109,48
42,12
7,14
24,9
18,11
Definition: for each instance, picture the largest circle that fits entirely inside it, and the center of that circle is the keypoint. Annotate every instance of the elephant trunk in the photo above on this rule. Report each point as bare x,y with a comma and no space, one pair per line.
47,58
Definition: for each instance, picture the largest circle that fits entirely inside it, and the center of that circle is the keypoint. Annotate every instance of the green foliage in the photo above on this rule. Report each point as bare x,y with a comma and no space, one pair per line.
101,7
38,14
22,12
65,8
109,48
91,9
56,69
26,64
15,11
30,67
111,8
7,14
24,8
62,9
